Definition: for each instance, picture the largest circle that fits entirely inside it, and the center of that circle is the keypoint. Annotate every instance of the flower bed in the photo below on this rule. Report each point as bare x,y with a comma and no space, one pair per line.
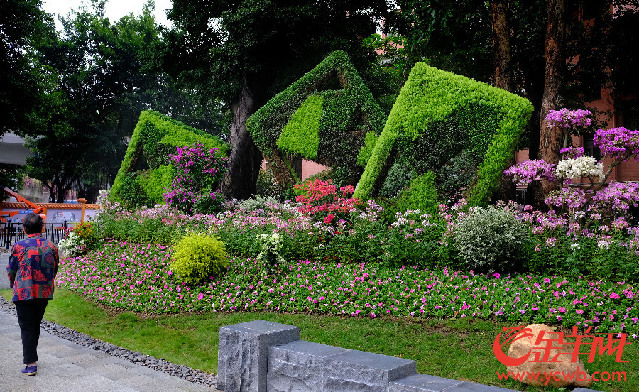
136,277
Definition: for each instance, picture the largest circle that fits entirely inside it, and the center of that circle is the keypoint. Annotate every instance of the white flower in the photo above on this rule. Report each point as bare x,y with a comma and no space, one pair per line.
579,167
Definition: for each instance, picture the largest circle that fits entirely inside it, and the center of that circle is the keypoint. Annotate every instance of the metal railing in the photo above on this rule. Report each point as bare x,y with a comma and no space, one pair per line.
12,232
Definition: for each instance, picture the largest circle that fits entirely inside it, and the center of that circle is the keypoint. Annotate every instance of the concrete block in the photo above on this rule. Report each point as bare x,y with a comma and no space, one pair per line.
465,386
243,353
353,371
421,383
299,366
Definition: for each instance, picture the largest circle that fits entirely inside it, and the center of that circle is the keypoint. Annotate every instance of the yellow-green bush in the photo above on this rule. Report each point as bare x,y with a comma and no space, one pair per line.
198,256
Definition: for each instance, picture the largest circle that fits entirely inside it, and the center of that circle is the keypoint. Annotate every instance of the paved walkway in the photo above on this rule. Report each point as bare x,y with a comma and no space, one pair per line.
65,366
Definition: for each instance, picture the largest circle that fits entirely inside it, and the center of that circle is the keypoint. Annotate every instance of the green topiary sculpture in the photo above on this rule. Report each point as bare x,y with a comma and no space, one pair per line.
444,123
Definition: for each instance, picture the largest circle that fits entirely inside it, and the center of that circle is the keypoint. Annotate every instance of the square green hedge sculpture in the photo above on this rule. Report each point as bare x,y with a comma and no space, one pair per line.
437,118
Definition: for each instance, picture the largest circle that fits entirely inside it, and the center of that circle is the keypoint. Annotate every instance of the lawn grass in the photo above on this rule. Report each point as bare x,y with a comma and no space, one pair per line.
455,348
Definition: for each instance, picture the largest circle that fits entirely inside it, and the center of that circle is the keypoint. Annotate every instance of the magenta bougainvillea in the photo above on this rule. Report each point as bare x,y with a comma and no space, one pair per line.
198,174
568,118
618,143
526,172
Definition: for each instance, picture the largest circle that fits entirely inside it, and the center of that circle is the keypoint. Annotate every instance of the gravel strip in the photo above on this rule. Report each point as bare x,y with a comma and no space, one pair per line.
162,365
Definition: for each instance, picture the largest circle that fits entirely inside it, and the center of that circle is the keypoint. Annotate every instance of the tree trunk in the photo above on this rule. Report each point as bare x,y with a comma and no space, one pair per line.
501,45
244,162
502,77
550,139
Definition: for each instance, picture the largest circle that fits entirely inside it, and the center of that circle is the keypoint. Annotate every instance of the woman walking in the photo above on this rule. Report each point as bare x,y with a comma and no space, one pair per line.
33,264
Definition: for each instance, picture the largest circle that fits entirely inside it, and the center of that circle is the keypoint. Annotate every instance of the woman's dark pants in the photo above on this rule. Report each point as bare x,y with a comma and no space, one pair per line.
30,315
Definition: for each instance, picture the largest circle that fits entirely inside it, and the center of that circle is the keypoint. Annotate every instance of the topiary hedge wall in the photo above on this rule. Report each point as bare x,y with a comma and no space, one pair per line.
463,131
324,116
146,168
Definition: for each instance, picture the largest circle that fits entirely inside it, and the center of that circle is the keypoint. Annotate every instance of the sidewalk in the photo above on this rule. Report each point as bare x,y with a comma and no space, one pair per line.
65,366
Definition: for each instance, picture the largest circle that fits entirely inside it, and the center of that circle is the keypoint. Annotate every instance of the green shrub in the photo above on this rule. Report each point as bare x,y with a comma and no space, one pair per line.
301,133
492,240
437,116
269,188
197,257
131,192
154,181
420,195
256,203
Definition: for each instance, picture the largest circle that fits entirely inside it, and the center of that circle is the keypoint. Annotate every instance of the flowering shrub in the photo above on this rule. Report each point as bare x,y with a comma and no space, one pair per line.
269,256
616,199
572,152
72,245
608,201
579,167
78,240
492,240
137,278
618,143
321,198
568,118
567,198
198,174
528,171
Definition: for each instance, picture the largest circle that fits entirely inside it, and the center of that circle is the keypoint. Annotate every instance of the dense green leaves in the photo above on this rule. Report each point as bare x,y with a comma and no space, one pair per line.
23,28
301,133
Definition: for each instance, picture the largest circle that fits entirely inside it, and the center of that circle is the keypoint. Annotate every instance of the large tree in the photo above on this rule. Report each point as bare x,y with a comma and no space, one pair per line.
246,51
101,76
23,26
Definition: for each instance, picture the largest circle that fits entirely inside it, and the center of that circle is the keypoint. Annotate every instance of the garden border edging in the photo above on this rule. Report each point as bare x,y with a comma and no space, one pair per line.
261,356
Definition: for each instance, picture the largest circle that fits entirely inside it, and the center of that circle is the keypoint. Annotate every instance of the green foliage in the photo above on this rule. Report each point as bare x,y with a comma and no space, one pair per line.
301,133
155,137
367,150
266,186
347,109
256,203
197,256
269,256
131,192
79,240
12,177
584,256
420,195
153,181
439,115
25,27
492,239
